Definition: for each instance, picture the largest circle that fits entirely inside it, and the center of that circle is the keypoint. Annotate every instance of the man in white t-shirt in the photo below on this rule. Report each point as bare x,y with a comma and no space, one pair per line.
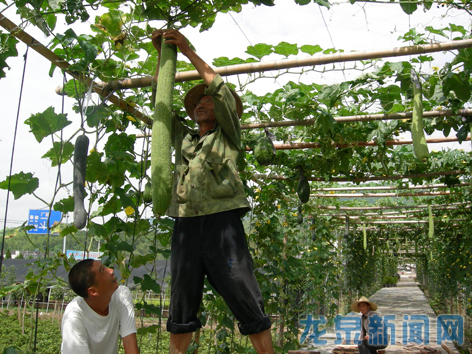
102,311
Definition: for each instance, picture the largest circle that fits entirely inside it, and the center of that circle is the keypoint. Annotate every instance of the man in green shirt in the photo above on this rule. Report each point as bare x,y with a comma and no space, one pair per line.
207,203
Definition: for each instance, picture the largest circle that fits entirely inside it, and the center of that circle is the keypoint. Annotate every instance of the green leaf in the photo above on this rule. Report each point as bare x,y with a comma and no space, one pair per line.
65,205
125,200
463,132
113,21
89,50
51,20
21,184
8,49
118,143
322,3
138,260
458,28
96,115
12,350
115,247
311,49
96,169
427,4
224,61
286,49
460,86
47,123
59,153
68,230
302,2
408,6
464,56
147,283
97,230
388,96
436,31
148,329
74,88
326,122
260,50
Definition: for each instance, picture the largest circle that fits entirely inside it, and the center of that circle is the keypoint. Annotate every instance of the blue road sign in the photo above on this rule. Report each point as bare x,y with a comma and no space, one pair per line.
39,219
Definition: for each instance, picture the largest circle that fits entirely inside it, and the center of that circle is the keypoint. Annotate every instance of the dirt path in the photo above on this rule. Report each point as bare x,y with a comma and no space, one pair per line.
411,322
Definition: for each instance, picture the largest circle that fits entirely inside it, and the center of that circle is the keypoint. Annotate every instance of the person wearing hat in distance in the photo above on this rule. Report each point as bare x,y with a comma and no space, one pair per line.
103,310
208,201
367,309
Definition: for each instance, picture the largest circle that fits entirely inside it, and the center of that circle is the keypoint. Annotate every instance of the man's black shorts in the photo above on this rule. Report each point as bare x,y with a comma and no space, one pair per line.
213,245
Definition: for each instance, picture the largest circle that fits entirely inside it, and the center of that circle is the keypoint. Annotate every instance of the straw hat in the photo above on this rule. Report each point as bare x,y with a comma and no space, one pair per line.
197,92
355,304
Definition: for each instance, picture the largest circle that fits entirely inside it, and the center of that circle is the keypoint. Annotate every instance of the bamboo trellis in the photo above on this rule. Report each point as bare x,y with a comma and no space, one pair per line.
390,207
381,195
299,62
64,65
365,179
359,118
106,90
394,142
429,186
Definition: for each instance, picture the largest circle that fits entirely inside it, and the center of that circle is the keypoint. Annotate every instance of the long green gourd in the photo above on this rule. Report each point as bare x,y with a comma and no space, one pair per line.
431,229
420,146
161,163
80,165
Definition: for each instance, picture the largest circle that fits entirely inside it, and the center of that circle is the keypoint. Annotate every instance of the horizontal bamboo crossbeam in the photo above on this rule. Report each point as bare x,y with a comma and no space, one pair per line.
394,142
379,188
380,195
64,65
343,214
358,219
359,118
366,179
390,207
408,221
299,62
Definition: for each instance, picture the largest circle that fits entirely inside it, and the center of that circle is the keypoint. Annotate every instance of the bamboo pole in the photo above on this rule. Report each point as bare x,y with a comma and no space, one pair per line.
366,179
391,207
394,142
378,188
359,118
452,206
299,62
373,218
408,221
381,195
64,65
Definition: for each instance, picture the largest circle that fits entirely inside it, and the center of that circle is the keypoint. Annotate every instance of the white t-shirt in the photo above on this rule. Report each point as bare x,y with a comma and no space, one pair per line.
85,331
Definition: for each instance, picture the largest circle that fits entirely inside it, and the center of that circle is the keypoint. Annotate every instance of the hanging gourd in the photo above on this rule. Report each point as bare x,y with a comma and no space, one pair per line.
300,213
303,189
80,164
431,222
346,233
264,152
161,163
420,146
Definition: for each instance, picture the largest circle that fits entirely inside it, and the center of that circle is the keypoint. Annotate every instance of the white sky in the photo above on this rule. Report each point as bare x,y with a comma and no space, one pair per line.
356,27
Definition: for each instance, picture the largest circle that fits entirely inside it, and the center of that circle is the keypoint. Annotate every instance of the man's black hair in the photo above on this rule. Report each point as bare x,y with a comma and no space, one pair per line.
81,277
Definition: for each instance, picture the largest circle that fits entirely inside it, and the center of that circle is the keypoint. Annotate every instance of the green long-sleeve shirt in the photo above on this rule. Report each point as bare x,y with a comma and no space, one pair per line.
206,178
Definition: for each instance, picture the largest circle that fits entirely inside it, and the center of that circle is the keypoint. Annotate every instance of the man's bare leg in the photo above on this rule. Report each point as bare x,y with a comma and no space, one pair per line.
262,342
179,343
